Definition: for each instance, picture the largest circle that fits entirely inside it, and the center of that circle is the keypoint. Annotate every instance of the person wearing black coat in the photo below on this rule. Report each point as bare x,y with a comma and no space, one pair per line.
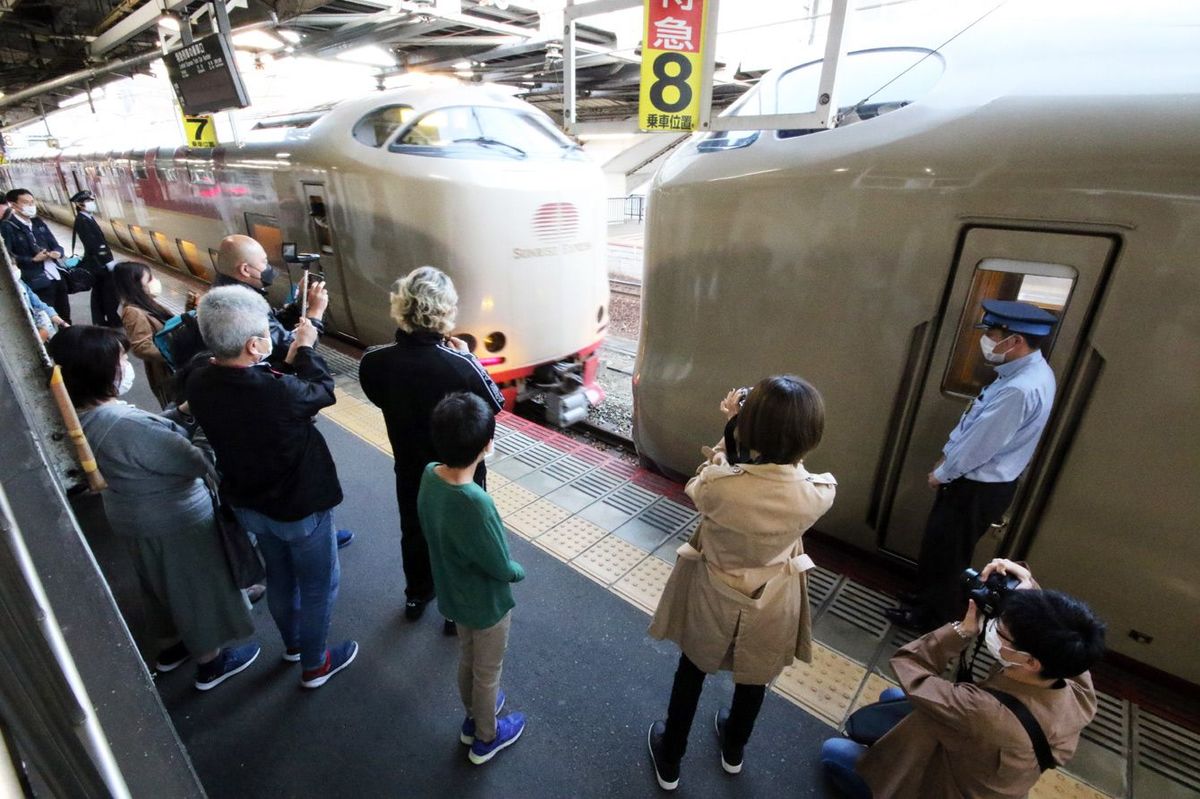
97,259
36,252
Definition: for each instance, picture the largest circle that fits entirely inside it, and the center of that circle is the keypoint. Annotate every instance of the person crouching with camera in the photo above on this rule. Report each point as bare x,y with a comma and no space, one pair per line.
992,739
737,599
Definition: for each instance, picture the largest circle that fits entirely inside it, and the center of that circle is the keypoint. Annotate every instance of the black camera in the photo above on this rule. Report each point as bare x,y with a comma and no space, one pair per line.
990,594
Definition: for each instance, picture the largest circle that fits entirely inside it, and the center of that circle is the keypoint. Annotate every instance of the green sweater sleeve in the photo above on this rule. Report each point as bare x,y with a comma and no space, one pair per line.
491,556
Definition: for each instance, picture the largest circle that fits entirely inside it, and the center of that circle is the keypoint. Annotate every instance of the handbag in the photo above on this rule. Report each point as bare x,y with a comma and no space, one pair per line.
245,566
870,723
77,278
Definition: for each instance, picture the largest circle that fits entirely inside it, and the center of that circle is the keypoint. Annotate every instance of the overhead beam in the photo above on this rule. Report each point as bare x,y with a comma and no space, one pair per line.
137,21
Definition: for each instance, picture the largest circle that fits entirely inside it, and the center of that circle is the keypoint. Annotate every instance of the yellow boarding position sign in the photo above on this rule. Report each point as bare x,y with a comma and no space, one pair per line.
672,45
201,131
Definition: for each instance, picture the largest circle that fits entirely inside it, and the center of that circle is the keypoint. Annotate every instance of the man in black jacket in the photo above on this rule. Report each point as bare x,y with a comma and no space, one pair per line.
276,469
406,380
36,252
97,259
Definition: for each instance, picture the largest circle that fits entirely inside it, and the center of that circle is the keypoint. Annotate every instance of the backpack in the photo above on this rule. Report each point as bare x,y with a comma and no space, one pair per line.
179,340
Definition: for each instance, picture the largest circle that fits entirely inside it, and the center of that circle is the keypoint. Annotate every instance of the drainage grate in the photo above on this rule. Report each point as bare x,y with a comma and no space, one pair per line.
821,583
1168,750
861,607
339,363
566,469
598,483
513,443
1108,728
630,499
666,515
538,456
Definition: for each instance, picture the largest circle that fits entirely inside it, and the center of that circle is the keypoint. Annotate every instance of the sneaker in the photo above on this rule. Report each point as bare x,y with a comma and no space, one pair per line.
344,537
467,734
730,761
415,608
665,772
171,658
508,730
292,654
336,659
449,628
231,661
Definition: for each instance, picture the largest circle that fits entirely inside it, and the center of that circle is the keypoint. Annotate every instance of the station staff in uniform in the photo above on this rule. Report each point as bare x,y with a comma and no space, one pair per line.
97,259
36,252
985,455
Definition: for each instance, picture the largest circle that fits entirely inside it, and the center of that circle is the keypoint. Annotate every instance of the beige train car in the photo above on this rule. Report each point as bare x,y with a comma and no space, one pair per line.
1055,161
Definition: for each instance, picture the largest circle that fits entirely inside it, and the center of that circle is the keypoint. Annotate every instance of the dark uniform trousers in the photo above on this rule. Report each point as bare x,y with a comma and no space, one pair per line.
418,573
962,513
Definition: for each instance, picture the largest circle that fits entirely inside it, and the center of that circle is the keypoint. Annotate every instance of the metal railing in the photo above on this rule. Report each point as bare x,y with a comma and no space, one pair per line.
626,209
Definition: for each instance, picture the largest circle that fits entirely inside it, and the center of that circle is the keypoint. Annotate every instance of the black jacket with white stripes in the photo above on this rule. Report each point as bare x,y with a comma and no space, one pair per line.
407,379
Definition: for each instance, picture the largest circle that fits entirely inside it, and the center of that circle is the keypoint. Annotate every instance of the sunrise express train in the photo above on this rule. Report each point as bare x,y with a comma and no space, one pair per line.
464,178
1052,161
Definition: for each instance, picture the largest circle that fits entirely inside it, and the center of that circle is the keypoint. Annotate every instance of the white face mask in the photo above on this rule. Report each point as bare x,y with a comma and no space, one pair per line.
262,356
989,348
991,639
28,209
154,287
90,207
126,381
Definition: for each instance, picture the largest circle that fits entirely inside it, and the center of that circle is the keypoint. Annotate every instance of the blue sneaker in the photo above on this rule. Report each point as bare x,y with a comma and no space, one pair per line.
508,730
231,661
336,659
344,537
467,735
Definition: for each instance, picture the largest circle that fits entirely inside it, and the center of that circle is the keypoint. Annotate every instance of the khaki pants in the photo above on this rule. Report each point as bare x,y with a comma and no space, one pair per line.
480,662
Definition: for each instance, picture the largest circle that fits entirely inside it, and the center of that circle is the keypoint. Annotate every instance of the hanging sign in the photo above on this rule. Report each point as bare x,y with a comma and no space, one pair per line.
201,130
672,45
204,76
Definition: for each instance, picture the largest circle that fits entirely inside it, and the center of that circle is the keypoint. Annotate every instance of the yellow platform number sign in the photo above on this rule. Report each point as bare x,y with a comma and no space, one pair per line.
671,65
201,131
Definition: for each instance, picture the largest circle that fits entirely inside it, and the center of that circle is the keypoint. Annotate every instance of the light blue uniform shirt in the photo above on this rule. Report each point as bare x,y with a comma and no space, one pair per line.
995,439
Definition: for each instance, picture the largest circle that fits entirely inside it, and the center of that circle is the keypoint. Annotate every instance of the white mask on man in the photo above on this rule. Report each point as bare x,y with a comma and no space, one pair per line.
126,380
90,206
991,639
989,349
28,210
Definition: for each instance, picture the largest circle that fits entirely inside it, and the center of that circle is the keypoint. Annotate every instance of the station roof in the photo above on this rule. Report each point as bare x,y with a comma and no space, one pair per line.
485,40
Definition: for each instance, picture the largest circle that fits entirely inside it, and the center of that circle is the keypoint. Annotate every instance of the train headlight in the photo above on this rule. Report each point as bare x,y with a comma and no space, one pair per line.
495,341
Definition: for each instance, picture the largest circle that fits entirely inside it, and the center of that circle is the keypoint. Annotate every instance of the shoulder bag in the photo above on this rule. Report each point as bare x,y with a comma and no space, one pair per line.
245,566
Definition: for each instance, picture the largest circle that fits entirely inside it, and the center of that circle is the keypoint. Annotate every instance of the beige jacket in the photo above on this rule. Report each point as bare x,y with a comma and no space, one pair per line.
140,328
959,741
737,599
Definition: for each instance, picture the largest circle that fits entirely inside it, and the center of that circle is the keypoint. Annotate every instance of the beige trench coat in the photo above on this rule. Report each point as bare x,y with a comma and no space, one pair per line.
737,599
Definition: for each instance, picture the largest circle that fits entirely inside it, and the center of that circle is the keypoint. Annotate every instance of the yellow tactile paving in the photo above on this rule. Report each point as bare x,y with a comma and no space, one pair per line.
536,518
608,559
510,498
870,691
1056,785
643,585
826,687
570,538
496,480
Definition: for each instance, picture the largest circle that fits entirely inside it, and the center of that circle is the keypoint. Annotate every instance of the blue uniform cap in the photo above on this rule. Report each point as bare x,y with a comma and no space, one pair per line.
1019,317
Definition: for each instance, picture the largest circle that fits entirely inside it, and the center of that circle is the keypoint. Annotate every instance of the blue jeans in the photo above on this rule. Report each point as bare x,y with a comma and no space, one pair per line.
302,578
840,758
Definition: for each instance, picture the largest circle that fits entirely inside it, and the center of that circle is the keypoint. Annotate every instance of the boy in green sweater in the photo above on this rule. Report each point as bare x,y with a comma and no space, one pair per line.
471,567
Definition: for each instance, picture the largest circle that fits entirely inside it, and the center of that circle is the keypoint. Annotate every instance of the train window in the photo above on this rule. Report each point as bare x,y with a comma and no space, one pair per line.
1047,286
139,172
749,104
196,263
201,177
483,132
869,84
378,126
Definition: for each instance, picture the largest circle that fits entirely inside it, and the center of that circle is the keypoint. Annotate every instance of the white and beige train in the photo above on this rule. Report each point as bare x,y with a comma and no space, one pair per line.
1049,158
466,178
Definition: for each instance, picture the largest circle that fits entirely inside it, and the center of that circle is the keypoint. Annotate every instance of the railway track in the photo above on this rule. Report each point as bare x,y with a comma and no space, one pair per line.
627,288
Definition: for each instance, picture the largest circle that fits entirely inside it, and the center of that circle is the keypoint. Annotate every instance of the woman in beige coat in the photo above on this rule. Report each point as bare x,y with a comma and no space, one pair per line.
737,599
142,316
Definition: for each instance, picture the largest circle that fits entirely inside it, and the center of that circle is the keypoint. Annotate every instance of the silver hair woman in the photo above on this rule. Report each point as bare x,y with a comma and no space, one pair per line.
229,316
425,300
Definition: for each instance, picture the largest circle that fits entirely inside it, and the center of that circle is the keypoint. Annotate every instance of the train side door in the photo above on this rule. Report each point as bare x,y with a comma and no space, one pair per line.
324,243
265,230
1056,271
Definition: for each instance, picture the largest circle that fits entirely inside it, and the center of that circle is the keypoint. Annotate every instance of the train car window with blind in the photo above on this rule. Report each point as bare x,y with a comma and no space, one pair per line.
378,126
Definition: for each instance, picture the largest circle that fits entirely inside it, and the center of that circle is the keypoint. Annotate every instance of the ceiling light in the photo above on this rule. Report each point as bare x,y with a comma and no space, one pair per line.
462,65
256,40
371,55
170,23
289,36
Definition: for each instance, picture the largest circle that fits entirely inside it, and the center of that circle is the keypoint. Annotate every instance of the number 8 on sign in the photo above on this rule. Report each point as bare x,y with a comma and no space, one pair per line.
663,80
672,54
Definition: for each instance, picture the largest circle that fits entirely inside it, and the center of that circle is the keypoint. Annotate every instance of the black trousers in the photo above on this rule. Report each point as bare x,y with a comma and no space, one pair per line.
961,514
418,574
685,695
104,299
56,295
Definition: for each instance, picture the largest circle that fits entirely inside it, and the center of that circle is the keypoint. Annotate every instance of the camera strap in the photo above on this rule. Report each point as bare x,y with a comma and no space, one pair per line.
1041,746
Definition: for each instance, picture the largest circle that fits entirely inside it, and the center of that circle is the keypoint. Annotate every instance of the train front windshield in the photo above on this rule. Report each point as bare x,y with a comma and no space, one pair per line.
484,132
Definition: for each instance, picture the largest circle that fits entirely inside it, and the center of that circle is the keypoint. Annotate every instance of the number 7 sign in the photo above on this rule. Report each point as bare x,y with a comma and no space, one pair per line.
201,132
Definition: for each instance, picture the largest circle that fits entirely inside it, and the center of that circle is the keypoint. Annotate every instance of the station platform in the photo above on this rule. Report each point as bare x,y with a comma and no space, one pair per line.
597,537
